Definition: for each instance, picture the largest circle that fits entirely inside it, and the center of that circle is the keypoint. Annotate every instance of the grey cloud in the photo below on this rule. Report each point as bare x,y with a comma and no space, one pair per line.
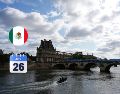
115,13
4,41
110,46
33,43
76,32
91,15
105,49
113,44
105,18
65,41
98,29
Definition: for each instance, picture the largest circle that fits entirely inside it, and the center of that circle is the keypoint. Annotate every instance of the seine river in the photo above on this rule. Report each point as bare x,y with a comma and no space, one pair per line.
44,82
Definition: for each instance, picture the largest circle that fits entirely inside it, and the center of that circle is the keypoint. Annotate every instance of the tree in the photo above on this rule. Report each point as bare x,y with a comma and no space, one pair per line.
77,55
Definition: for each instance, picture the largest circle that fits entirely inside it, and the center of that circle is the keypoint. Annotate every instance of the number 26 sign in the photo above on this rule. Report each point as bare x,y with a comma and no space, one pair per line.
18,63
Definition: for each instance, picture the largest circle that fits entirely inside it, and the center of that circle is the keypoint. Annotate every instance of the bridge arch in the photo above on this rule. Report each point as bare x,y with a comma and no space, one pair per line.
59,66
73,66
107,69
89,65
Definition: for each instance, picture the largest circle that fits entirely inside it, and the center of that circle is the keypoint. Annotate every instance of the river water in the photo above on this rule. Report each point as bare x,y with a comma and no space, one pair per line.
44,82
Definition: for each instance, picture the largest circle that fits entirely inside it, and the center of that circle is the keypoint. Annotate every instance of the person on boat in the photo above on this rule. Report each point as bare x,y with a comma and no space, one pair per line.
62,78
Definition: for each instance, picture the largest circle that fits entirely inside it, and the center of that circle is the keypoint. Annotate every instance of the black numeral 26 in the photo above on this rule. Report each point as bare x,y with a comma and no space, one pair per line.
18,66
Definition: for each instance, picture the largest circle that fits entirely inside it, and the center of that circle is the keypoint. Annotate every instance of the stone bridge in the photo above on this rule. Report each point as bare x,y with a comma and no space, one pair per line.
104,65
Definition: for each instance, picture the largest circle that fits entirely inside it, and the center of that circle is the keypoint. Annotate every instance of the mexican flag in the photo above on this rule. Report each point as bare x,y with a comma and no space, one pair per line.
18,35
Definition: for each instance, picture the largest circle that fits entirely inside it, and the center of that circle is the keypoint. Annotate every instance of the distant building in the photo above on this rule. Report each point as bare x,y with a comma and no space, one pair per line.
1,52
46,53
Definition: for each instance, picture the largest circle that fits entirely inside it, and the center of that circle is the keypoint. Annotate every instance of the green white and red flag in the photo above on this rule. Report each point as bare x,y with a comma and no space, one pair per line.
18,35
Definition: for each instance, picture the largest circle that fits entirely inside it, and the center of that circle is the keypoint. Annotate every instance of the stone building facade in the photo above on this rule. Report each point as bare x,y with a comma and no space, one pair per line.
46,53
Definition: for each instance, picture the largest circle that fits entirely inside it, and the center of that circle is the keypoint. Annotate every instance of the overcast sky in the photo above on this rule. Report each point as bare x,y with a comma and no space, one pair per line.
91,26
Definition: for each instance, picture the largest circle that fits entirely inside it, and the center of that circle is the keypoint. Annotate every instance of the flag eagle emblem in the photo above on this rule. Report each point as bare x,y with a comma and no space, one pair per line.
18,35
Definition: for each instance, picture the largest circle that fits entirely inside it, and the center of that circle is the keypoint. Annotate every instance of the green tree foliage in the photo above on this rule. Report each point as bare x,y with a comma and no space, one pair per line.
79,55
